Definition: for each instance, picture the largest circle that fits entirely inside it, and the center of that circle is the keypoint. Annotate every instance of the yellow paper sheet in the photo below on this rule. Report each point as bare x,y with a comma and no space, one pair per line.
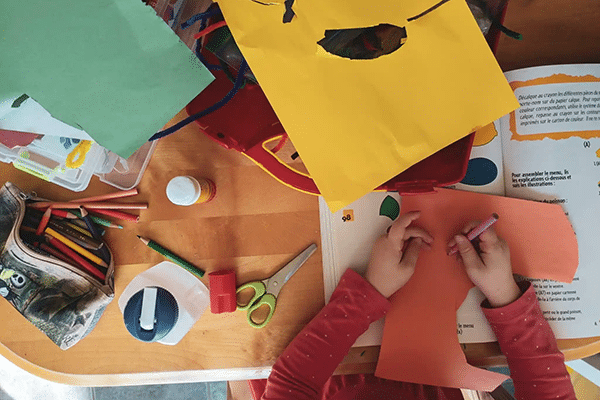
359,123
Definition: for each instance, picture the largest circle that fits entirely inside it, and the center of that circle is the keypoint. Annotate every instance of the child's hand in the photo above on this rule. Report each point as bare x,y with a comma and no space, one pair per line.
395,254
489,266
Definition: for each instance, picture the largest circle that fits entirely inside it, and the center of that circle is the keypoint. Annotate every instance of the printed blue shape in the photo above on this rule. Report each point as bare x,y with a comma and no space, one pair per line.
480,172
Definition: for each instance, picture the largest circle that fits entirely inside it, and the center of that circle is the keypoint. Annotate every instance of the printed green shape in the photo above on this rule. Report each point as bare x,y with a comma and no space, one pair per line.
390,208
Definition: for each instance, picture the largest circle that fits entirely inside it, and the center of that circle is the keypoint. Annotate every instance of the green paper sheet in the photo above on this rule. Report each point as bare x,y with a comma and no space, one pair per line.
110,67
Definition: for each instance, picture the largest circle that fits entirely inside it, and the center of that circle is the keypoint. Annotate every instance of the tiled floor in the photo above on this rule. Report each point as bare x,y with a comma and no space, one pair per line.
594,361
16,384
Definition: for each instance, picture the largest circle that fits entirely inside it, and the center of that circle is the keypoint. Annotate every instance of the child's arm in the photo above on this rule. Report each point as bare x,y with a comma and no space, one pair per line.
537,366
314,354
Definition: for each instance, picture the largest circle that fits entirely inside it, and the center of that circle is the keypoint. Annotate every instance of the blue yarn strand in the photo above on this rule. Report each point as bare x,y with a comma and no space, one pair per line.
237,85
195,18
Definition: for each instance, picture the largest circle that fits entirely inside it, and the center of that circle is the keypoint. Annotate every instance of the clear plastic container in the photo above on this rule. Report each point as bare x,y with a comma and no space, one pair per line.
127,173
45,157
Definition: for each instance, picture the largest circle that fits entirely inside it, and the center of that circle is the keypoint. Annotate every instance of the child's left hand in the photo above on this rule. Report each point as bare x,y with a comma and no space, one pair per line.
395,254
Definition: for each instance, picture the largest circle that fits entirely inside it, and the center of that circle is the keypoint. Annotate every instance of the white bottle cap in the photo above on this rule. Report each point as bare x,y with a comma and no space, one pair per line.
183,190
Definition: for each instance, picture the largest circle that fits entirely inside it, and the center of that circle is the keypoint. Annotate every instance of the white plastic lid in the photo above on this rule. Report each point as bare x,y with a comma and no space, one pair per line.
191,295
183,190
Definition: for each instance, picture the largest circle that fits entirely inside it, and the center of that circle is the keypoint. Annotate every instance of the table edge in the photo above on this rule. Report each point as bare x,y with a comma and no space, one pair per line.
224,374
138,378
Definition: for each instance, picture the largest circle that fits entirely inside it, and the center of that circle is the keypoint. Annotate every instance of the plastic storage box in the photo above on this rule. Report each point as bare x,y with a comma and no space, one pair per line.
45,157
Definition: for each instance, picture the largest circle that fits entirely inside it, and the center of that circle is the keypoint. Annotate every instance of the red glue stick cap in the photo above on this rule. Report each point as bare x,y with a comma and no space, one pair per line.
222,291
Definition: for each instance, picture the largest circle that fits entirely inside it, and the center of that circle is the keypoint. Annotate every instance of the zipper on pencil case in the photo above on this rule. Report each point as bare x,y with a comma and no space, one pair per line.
21,197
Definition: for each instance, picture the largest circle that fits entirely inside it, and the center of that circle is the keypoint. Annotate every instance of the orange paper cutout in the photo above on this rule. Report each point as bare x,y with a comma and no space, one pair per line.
420,343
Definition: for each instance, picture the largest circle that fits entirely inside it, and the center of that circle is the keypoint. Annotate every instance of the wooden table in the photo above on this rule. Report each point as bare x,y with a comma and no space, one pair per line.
254,225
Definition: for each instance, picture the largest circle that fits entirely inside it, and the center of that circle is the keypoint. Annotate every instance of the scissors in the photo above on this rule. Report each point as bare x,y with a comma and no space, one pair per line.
266,291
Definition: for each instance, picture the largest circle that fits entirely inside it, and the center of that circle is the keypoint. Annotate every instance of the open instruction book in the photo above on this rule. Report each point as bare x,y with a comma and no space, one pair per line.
547,150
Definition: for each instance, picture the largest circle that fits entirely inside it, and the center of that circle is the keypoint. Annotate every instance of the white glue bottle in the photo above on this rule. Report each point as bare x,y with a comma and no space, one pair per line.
186,190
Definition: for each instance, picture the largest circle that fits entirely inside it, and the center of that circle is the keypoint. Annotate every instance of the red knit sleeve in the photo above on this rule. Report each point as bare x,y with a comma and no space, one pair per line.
310,359
537,366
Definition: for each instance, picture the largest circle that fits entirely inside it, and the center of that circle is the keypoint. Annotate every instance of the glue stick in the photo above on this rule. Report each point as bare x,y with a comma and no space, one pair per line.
186,190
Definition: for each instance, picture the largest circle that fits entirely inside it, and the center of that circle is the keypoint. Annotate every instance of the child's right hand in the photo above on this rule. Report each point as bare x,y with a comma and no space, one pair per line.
489,267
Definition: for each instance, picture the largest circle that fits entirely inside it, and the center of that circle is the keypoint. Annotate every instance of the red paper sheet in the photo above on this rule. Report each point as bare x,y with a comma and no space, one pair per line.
420,343
12,139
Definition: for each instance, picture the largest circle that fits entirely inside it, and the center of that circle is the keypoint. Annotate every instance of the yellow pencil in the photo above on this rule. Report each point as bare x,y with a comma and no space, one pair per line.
76,247
78,228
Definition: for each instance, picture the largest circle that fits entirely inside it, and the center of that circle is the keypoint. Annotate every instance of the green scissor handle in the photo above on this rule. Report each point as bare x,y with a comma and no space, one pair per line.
269,300
259,290
259,299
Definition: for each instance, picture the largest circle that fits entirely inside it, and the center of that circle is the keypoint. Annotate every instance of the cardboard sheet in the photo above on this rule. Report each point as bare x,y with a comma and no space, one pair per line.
420,343
359,123
112,68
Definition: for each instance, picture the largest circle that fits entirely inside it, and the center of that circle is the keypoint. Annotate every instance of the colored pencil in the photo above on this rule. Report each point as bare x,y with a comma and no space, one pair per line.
76,236
104,253
93,206
109,196
90,224
79,260
478,230
78,228
56,253
44,222
63,214
177,260
79,222
28,229
117,214
92,257
100,221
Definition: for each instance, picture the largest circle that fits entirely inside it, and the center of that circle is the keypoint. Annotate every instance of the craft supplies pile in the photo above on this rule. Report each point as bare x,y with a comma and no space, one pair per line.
422,101
72,234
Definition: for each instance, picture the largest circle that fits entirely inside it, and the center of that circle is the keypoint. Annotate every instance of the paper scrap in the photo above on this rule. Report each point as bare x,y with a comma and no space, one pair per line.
32,117
359,123
12,139
112,68
420,343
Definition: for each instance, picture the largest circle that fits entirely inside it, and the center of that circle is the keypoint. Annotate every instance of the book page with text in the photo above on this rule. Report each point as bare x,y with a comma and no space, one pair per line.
552,154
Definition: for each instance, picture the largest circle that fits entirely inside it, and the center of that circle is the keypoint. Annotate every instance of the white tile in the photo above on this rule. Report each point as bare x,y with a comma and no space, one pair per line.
17,384
178,391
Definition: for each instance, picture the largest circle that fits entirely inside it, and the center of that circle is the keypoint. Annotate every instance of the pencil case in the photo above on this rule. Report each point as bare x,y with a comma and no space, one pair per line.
61,300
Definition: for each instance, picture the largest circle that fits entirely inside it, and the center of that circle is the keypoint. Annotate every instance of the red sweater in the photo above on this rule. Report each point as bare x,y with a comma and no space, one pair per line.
304,369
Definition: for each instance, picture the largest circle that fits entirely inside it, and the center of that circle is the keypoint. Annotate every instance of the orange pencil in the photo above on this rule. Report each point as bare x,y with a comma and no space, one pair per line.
80,250
93,206
28,229
64,214
43,222
109,196
79,260
117,214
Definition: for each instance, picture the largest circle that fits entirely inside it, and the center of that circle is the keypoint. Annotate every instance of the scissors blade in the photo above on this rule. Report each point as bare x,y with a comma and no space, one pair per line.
276,282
